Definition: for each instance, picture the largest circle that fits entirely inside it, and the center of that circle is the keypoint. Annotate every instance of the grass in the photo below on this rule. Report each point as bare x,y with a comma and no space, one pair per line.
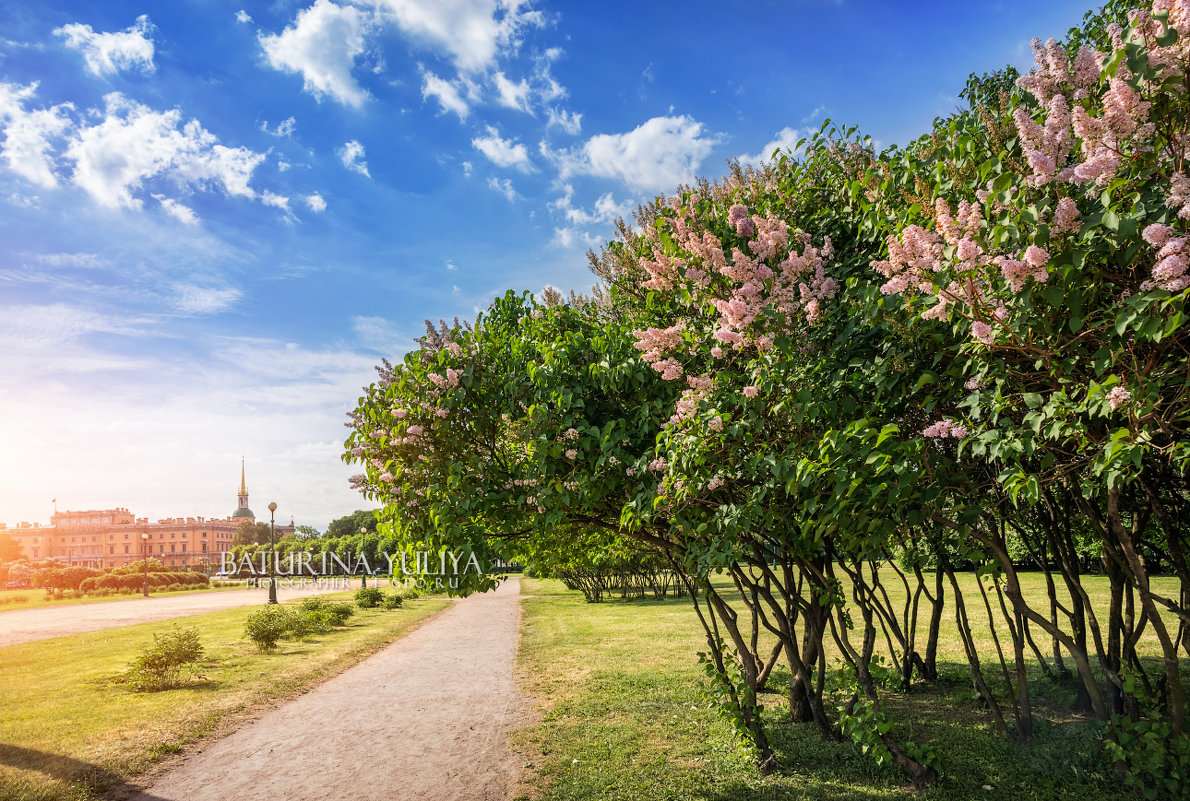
31,599
82,734
623,718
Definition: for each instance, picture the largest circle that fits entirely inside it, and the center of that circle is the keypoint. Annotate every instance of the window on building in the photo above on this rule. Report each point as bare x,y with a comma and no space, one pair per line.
95,539
111,549
173,547
111,537
35,550
126,538
125,549
173,534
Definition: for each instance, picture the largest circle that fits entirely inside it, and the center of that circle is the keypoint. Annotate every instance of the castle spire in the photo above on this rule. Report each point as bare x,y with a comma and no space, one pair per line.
243,486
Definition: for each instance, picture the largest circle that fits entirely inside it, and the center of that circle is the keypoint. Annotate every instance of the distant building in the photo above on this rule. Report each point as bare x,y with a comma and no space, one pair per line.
112,537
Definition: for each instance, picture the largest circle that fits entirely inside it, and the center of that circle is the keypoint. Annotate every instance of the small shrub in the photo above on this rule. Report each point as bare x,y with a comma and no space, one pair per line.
302,624
369,597
412,595
167,663
265,627
313,604
393,601
341,610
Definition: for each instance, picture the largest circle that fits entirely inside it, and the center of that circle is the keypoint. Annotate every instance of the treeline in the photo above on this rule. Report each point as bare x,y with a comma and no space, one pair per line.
837,380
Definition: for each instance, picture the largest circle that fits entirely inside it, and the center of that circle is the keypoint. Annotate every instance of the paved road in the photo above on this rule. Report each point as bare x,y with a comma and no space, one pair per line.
27,625
427,718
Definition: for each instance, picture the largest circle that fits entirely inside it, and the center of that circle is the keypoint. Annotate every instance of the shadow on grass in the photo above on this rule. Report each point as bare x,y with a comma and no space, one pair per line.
83,776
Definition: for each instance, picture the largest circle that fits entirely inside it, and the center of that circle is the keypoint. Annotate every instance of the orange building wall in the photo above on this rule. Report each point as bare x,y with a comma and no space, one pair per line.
112,537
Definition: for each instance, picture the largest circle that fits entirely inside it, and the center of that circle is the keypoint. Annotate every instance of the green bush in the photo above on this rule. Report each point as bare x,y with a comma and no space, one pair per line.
169,662
393,601
265,627
342,610
304,623
369,597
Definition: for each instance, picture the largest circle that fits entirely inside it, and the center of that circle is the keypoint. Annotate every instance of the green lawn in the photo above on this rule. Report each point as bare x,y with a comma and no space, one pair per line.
68,730
623,718
30,599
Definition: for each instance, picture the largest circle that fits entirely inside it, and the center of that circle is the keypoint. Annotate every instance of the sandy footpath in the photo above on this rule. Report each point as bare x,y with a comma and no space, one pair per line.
27,625
426,718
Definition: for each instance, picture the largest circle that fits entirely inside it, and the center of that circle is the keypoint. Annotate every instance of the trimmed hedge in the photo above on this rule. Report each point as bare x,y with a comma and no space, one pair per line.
131,581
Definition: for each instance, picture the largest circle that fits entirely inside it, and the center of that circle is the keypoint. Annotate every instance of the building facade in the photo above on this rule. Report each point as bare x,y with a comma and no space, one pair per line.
115,537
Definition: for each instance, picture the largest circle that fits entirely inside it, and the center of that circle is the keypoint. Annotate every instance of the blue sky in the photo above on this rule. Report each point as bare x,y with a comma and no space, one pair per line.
216,217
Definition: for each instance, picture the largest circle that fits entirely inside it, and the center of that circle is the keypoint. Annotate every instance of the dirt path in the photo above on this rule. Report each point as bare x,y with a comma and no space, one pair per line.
426,719
27,625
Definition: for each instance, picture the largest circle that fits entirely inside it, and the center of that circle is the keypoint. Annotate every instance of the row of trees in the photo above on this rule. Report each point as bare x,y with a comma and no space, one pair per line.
850,371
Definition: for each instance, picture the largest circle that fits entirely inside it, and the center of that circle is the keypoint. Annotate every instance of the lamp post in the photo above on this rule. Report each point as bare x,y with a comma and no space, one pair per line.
363,533
272,552
144,540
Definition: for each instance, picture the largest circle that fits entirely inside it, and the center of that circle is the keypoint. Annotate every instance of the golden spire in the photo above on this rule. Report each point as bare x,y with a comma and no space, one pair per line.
243,486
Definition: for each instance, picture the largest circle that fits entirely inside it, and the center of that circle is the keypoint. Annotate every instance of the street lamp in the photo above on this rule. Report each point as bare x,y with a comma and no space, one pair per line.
363,533
272,552
144,538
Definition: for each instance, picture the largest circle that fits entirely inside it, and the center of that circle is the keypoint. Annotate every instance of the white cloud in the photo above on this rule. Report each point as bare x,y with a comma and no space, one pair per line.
322,45
243,16
512,95
276,201
446,93
785,140
606,209
27,329
450,265
177,210
467,169
813,115
27,134
503,186
316,202
193,299
381,335
24,201
352,156
656,156
568,121
108,53
285,128
134,143
503,152
473,33
86,261
568,237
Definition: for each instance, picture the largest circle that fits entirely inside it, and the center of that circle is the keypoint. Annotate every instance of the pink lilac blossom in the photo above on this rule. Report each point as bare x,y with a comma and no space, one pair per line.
737,217
571,454
973,383
1066,217
1171,270
945,428
1179,195
983,332
715,483
751,391
1118,396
